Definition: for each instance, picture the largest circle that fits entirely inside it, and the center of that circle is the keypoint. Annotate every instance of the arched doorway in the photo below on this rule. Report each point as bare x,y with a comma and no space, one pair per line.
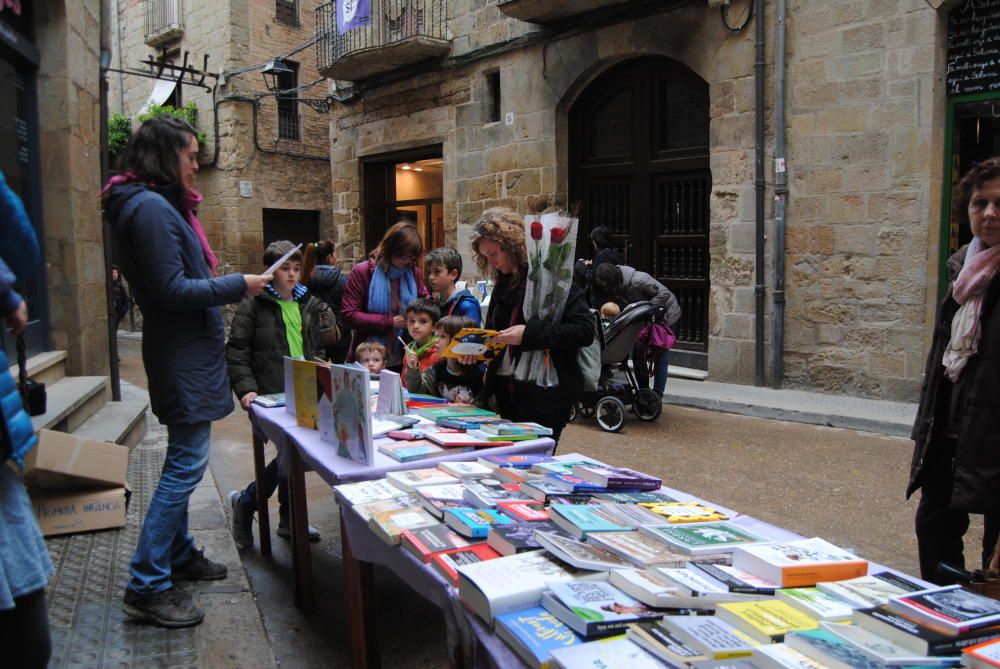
639,164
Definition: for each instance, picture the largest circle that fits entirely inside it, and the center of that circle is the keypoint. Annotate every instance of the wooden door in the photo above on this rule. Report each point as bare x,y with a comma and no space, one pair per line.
639,164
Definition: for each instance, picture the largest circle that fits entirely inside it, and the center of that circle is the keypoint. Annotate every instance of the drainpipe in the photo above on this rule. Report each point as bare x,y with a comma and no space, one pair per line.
780,199
105,64
758,290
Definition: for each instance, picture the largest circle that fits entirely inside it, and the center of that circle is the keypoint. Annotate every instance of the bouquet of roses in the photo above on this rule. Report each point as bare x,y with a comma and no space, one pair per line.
551,240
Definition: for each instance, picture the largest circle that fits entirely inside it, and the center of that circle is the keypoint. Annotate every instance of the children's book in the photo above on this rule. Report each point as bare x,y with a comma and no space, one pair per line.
304,392
417,398
482,435
518,537
595,609
448,562
684,512
477,342
369,491
701,538
270,401
950,609
617,478
617,652
580,554
451,411
534,633
344,412
455,438
424,542
801,563
390,394
474,523
408,451
767,620
467,423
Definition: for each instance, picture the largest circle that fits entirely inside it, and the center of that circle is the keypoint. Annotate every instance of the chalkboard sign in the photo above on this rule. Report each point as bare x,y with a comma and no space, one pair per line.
974,48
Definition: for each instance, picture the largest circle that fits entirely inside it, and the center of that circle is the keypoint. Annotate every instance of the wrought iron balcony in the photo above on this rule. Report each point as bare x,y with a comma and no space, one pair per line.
551,11
164,21
400,33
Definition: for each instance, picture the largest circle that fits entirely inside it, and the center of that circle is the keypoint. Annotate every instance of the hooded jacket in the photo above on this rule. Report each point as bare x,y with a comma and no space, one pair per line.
976,467
183,342
463,303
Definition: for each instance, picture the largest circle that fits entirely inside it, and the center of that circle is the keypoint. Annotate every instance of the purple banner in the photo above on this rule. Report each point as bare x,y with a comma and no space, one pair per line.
353,14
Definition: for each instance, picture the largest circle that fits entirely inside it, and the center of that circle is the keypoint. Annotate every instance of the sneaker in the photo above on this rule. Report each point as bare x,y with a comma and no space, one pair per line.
240,520
199,568
285,531
170,608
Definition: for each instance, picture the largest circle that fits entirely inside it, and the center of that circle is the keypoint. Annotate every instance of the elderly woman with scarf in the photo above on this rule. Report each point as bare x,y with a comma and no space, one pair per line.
165,255
956,459
379,289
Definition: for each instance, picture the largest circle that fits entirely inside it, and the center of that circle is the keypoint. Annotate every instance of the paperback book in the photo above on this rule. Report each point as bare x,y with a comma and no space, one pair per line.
456,439
579,554
474,523
571,483
424,542
545,491
487,492
534,633
878,649
767,620
830,650
710,636
508,428
616,652
950,609
664,644
581,519
736,580
781,656
365,492
563,464
525,461
695,583
465,470
389,525
982,656
402,503
684,512
345,417
447,562
638,549
437,499
918,638
816,603
800,563
408,451
617,478
518,537
411,479
865,591
270,401
462,411
490,438
699,539
524,510
595,608
653,588
627,497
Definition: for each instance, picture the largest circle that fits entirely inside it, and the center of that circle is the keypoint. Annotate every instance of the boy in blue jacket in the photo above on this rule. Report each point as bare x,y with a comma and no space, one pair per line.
442,269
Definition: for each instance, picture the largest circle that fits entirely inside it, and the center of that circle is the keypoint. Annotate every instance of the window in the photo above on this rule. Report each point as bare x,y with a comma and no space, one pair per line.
287,11
288,108
295,225
493,97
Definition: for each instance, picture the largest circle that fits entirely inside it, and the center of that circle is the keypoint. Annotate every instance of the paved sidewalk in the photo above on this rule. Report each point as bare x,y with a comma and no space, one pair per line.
856,413
89,629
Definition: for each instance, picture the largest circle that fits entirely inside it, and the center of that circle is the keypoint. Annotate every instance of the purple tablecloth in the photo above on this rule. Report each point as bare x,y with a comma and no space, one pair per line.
279,427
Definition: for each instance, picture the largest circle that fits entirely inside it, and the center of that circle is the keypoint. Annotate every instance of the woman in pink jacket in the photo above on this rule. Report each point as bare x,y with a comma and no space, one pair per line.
379,289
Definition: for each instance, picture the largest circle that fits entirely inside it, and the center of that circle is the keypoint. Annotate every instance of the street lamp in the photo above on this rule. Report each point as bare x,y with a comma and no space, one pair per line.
272,73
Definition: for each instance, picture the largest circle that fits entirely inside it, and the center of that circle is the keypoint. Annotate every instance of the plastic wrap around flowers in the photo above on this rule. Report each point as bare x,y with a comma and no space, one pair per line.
551,241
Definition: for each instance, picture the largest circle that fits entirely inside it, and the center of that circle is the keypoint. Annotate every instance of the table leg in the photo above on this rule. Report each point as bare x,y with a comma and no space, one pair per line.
305,596
263,518
359,589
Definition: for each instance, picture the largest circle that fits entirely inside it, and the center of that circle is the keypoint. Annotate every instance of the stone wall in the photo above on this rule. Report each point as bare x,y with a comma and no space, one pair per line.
68,37
865,112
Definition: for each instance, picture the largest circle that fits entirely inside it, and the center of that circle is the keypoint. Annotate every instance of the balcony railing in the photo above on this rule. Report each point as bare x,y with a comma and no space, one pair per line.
551,11
164,21
400,33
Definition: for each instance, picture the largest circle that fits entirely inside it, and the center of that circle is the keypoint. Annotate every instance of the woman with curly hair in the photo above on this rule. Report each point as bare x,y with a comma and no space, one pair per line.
499,250
956,458
379,289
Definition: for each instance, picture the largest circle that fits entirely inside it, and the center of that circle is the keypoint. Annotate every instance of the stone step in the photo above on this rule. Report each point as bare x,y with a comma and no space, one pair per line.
48,367
71,401
687,373
119,422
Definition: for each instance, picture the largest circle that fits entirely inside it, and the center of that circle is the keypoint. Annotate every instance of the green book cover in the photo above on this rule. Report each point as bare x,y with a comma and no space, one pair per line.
703,537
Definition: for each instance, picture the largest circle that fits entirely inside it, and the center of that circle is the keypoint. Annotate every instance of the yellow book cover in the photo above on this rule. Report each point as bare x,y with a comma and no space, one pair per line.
475,342
684,512
766,620
304,382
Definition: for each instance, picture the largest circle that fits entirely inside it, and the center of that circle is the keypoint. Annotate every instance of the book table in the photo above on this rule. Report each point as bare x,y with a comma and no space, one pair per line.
299,448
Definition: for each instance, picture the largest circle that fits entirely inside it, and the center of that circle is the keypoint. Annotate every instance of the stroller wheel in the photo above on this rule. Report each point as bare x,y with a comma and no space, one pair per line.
646,405
574,411
610,412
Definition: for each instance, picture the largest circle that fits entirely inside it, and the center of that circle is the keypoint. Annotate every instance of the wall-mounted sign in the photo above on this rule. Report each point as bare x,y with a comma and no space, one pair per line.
974,48
246,189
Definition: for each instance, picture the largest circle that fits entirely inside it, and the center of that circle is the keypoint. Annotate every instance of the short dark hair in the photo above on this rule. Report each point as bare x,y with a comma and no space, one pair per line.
152,152
275,250
452,325
399,240
601,237
445,256
977,175
423,305
608,279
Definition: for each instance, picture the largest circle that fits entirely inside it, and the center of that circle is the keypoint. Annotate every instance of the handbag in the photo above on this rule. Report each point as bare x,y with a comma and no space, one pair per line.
589,357
33,394
329,331
658,335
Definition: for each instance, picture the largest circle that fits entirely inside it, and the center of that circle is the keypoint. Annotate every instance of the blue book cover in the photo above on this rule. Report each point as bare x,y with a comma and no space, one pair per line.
535,633
523,461
474,523
588,518
571,483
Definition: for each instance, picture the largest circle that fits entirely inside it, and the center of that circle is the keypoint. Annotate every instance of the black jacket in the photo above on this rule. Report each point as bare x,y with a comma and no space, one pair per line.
563,340
183,339
976,470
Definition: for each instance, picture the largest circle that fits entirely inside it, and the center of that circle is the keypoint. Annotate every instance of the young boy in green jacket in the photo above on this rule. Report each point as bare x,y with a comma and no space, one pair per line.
279,322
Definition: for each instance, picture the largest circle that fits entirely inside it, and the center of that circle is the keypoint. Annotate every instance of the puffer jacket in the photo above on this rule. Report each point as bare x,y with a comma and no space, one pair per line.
637,286
184,337
258,343
976,468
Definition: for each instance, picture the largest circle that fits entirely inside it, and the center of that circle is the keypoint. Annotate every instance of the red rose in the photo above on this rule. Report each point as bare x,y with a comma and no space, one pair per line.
536,230
558,234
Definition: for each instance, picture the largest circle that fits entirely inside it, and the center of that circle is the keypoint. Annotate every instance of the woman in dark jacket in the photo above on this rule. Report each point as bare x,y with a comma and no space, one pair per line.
166,257
380,288
499,248
327,282
956,459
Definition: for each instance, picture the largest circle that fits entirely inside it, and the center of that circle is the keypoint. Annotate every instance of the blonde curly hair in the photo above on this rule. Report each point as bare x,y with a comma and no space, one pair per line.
503,226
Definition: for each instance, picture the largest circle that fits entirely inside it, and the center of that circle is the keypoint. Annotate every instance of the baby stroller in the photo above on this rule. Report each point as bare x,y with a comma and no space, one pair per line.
609,402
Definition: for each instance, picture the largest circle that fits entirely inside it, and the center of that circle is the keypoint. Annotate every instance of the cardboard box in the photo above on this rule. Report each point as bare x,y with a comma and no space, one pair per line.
62,461
70,512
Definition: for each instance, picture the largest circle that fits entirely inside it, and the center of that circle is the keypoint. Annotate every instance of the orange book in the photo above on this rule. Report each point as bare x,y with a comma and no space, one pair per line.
799,564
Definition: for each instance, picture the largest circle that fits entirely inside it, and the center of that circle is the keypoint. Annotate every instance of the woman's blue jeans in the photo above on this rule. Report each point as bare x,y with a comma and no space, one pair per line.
660,375
164,541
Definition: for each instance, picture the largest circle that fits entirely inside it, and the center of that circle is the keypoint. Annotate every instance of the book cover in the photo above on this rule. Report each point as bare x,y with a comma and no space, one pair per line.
424,542
652,588
767,620
436,413
581,519
448,562
517,537
468,423
699,539
289,370
617,478
514,475
544,490
304,391
830,650
389,525
595,608
579,554
802,563
365,492
629,497
534,633
863,591
638,549
510,428
437,499
408,451
406,501
517,461
465,470
816,603
563,464
571,483
270,401
921,639
390,394
477,342
985,654
474,523
452,438
487,492
662,643
523,510
711,636
876,648
951,609
632,515
344,411
781,656
411,479
498,438
617,652
684,512
736,580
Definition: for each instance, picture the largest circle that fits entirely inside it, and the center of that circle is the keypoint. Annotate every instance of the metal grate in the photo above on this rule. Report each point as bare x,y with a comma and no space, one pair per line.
288,125
295,225
391,21
287,11
164,19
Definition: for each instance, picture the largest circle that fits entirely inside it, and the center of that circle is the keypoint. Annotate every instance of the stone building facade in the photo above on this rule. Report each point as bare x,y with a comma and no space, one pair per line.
259,182
865,113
